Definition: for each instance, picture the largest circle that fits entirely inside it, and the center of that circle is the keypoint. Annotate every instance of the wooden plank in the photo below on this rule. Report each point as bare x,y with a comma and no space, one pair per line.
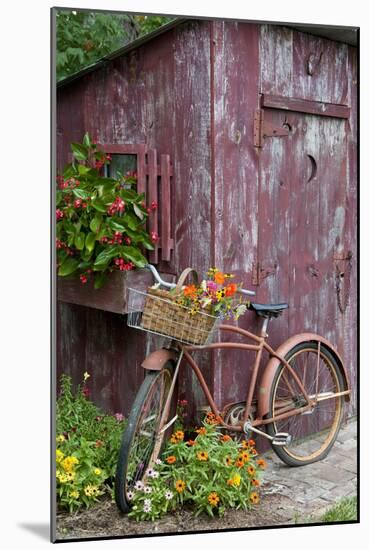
123,148
165,205
305,106
152,196
112,297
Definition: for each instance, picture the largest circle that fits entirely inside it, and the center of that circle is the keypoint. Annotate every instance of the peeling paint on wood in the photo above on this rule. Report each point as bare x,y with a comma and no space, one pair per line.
287,208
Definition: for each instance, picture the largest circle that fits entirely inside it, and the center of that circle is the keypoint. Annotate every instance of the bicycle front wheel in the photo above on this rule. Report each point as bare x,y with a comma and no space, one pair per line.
141,441
312,432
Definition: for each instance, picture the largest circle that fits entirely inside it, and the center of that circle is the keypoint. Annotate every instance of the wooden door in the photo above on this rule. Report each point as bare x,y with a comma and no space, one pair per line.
301,215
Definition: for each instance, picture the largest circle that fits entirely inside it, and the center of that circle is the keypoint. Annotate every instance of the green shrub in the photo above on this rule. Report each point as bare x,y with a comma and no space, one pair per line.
88,442
212,473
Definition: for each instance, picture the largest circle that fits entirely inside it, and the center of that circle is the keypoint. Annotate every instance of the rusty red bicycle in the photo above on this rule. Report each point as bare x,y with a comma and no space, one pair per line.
298,404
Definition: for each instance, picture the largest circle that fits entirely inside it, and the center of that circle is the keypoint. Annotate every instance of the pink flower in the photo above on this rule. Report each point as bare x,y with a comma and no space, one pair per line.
119,417
211,286
154,236
59,214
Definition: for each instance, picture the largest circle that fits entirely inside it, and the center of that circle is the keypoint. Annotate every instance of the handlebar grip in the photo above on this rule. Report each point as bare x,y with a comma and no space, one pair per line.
246,292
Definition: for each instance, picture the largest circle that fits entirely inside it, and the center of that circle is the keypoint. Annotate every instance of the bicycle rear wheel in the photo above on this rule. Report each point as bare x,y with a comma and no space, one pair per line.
313,432
141,443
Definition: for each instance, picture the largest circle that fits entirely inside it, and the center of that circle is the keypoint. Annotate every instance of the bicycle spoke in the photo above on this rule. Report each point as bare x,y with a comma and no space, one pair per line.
312,429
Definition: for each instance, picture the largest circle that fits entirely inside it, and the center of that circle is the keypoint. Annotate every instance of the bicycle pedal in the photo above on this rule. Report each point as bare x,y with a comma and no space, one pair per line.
282,439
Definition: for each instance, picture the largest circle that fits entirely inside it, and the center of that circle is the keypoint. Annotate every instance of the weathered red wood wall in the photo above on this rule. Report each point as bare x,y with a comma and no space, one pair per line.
192,93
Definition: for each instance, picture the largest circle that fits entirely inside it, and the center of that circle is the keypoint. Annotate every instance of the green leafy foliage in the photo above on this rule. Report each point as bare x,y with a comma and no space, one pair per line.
212,473
88,442
100,222
83,37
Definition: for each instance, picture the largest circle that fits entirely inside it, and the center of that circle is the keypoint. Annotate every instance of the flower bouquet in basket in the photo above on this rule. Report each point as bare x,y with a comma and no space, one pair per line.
189,312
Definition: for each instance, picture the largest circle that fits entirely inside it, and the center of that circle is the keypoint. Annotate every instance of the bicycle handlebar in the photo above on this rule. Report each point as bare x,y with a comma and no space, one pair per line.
159,280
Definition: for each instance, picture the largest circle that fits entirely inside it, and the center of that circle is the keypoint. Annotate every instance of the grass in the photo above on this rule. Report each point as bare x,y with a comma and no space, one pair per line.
344,510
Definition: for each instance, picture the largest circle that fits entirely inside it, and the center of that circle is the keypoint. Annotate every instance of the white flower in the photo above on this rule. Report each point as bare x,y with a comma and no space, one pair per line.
147,489
169,495
158,461
139,485
147,505
130,495
203,285
155,474
150,472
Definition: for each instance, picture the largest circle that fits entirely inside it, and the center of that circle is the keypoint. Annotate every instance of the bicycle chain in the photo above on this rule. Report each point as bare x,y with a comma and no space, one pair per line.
342,305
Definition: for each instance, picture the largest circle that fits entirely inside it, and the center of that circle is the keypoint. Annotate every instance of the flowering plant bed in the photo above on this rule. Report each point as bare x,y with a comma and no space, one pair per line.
100,220
212,473
88,442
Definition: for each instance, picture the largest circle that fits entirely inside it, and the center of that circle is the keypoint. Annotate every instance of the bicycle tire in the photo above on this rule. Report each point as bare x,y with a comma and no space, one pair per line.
123,483
307,445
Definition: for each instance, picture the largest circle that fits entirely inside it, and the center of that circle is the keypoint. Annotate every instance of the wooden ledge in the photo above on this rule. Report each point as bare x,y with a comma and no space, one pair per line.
112,297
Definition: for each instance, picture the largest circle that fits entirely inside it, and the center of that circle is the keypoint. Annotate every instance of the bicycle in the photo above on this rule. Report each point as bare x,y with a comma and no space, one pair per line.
299,403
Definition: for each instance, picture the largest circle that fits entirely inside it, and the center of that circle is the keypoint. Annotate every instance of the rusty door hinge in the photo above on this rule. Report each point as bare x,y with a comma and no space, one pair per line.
343,269
259,273
264,129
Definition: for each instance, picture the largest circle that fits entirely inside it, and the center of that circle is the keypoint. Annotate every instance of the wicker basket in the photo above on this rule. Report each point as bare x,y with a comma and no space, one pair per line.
163,315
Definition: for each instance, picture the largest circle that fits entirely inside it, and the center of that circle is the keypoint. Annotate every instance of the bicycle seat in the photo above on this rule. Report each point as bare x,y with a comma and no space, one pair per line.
268,310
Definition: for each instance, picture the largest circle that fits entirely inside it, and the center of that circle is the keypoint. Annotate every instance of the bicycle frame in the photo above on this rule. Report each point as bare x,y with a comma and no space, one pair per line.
258,347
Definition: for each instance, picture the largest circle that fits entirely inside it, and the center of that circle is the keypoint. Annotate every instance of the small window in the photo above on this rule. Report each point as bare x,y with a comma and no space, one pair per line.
120,164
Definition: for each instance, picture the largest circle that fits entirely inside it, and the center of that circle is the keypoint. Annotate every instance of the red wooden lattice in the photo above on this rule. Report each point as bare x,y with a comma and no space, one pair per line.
153,179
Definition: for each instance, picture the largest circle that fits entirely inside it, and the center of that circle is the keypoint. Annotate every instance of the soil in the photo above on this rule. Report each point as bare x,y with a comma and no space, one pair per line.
105,520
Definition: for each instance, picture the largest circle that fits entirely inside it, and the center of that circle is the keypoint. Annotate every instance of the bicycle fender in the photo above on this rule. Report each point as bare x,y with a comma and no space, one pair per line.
157,359
266,382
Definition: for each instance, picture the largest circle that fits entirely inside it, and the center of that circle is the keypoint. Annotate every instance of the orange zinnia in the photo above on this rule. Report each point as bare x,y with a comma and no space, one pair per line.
229,461
191,442
219,277
261,462
171,459
202,455
254,497
251,442
213,499
231,289
239,462
179,435
201,431
180,485
225,438
190,291
251,470
255,482
244,455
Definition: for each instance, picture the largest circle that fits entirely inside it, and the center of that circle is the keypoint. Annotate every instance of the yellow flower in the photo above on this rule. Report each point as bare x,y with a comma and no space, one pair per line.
97,471
86,376
69,462
235,480
62,478
59,455
180,485
70,476
74,494
91,490
60,438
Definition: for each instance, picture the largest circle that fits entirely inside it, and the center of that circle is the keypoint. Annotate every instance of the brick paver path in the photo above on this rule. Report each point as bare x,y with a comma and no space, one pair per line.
313,488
